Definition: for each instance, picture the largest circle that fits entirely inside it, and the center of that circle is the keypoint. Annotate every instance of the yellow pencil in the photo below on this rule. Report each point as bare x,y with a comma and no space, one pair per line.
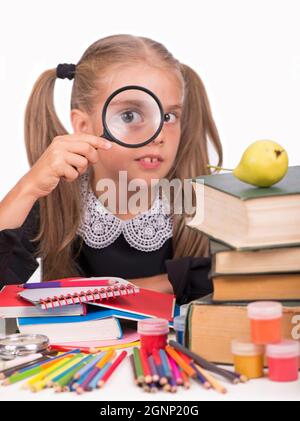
104,348
108,356
46,381
215,384
49,370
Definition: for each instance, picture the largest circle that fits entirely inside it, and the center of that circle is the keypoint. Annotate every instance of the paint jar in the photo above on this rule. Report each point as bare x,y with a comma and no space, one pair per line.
265,321
248,358
283,360
179,327
153,334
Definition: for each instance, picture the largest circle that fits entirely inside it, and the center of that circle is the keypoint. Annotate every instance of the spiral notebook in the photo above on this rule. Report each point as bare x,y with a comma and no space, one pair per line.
50,298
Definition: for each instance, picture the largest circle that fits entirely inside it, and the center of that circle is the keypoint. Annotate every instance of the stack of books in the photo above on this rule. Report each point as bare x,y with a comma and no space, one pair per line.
254,237
84,312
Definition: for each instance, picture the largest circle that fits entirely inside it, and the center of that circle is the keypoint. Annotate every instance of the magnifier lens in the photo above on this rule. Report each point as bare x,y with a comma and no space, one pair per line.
133,116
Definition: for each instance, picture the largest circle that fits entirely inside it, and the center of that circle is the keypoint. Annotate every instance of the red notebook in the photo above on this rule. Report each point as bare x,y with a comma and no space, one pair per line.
147,303
11,305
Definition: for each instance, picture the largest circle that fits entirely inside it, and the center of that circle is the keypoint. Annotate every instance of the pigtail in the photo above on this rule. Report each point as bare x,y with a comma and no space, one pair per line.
197,129
59,211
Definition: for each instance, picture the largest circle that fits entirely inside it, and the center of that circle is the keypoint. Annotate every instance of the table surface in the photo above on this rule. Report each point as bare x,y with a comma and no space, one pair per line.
120,387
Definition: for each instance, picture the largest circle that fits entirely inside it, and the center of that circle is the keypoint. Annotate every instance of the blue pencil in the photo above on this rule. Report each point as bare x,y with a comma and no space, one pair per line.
79,364
165,363
76,383
94,382
200,377
90,365
153,368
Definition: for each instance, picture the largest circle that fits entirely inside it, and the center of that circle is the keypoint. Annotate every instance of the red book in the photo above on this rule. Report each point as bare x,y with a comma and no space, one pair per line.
12,305
147,303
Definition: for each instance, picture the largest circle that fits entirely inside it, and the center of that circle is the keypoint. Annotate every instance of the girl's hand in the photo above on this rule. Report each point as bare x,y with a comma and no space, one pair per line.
157,283
68,156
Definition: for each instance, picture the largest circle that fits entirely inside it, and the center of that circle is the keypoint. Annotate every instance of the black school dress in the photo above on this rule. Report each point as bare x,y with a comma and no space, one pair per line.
136,248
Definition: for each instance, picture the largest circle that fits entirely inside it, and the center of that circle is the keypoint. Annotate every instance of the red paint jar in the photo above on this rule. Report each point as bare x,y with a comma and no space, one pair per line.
265,322
283,361
153,334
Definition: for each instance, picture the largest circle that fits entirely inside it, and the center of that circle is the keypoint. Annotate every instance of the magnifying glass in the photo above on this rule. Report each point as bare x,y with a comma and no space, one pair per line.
132,116
16,345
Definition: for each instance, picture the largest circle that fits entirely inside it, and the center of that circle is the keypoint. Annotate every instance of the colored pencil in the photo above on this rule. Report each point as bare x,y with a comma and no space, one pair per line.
64,378
94,383
163,380
173,384
133,368
200,377
46,380
180,361
89,366
10,371
204,363
85,385
48,368
112,368
22,359
36,369
186,381
94,350
165,363
138,365
214,383
70,283
153,369
145,366
175,370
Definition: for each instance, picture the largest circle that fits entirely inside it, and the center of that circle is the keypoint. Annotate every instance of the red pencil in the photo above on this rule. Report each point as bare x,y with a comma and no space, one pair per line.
112,368
145,365
66,283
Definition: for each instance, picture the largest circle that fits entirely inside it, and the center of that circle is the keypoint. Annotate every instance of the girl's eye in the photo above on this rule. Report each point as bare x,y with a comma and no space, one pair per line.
170,117
131,117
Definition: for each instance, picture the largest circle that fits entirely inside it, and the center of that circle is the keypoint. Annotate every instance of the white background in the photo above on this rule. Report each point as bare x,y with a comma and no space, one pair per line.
247,53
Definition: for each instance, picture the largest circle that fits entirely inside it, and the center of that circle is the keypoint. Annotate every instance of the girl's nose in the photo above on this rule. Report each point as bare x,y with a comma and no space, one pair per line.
159,139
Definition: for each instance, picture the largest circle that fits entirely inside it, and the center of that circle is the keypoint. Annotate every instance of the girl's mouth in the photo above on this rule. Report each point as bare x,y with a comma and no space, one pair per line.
150,161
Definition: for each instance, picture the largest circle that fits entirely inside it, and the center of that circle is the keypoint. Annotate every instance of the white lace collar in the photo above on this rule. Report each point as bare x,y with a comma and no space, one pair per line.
99,228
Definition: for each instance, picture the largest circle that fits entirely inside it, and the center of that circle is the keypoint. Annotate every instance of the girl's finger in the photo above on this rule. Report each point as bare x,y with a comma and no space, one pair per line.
69,173
84,149
96,141
79,162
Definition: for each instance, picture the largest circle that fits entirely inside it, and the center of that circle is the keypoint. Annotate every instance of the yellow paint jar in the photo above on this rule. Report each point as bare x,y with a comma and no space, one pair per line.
248,358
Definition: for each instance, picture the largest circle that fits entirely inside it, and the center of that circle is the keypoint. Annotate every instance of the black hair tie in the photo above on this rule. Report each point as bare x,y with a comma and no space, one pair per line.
65,70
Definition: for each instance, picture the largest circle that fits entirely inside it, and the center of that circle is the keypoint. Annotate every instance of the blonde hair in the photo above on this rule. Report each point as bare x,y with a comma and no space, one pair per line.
60,210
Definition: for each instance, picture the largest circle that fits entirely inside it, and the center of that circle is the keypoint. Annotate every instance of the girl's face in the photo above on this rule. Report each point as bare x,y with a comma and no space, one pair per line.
154,160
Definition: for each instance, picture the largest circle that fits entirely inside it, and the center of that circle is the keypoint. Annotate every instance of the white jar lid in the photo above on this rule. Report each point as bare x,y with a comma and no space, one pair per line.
246,348
284,349
264,310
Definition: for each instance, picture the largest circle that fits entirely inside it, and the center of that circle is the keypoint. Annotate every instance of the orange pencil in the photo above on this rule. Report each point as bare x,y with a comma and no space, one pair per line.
184,357
112,368
180,361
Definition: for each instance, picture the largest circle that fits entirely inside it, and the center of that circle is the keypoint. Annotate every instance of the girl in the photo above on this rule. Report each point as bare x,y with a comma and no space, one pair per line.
42,216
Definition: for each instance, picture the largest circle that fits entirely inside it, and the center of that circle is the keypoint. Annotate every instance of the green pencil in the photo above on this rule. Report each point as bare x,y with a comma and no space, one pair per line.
138,365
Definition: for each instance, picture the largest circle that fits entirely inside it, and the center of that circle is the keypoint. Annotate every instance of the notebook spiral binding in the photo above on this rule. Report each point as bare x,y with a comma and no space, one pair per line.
86,296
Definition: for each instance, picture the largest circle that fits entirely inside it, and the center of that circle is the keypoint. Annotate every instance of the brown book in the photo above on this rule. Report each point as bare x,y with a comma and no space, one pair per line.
226,260
279,286
212,327
246,216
